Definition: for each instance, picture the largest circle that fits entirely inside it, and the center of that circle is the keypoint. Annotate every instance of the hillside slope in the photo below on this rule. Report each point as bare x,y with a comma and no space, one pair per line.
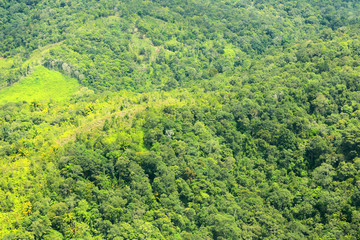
180,119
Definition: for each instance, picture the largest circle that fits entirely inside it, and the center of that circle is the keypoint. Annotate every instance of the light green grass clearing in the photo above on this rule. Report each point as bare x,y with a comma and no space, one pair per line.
42,84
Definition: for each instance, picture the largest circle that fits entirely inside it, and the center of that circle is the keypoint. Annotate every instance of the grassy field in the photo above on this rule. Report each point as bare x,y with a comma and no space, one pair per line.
42,84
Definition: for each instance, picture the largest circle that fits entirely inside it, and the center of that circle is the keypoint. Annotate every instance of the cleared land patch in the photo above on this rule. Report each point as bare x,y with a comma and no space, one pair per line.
42,84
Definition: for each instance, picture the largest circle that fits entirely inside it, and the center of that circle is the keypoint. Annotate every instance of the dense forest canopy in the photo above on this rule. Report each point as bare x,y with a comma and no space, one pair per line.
169,119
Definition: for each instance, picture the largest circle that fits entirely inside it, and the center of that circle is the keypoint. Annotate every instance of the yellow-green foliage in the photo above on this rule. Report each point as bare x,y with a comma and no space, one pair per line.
38,55
17,175
7,67
42,84
6,63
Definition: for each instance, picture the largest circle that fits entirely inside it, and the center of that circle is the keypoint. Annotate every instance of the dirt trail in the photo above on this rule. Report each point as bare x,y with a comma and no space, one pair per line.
98,123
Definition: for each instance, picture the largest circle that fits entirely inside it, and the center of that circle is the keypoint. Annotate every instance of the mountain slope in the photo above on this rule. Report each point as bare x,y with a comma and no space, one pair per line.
180,119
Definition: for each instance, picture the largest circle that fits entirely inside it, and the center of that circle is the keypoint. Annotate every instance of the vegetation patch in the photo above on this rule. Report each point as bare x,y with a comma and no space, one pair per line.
42,84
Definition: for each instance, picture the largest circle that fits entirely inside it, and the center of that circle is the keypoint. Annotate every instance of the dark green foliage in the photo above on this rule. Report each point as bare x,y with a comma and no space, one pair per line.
244,124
